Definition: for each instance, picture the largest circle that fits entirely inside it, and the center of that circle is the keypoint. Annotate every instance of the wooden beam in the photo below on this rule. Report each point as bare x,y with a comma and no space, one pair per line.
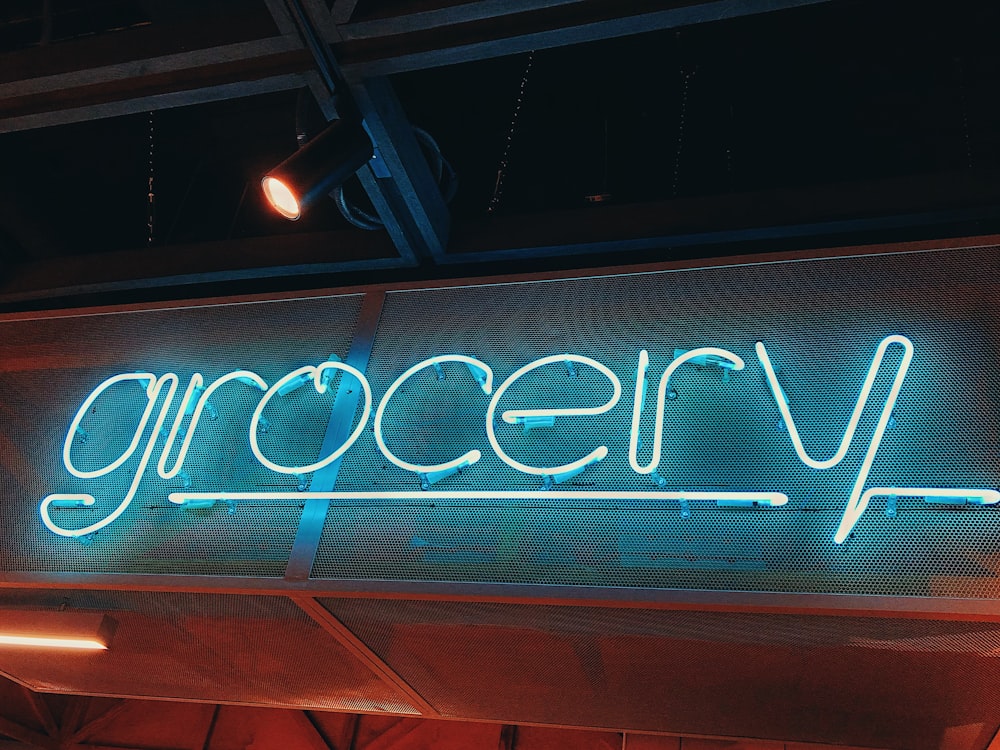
41,710
28,736
310,737
459,34
228,260
359,650
76,709
98,723
343,10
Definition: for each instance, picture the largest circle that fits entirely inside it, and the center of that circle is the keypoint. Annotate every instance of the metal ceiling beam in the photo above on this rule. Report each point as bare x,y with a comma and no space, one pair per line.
143,69
467,32
342,10
894,204
148,68
435,17
342,251
398,179
418,216
823,211
96,105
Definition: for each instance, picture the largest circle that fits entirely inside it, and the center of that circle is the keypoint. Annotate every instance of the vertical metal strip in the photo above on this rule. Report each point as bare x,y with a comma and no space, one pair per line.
360,651
345,404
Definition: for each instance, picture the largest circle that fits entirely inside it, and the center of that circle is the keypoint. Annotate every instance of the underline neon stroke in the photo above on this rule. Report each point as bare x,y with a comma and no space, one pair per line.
764,499
979,496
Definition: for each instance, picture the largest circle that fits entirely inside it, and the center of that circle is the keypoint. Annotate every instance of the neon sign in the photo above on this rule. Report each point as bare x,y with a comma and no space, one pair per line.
195,402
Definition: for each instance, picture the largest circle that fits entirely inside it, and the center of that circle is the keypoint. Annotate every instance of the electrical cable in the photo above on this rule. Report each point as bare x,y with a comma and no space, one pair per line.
308,119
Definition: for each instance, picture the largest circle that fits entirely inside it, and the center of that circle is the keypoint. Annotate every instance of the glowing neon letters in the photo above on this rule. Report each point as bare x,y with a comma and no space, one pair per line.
469,458
516,416
161,390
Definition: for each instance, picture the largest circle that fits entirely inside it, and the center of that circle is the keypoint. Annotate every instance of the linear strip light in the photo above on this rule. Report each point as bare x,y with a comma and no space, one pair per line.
69,629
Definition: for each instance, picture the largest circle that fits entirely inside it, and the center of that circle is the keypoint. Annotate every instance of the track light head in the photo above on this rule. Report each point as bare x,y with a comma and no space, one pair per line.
325,162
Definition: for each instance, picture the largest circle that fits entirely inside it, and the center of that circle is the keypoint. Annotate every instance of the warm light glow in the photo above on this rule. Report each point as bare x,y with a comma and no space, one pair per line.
43,642
75,629
281,198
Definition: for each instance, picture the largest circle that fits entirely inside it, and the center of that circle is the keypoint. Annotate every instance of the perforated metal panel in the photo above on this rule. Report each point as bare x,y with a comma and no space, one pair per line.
49,367
229,649
821,321
844,680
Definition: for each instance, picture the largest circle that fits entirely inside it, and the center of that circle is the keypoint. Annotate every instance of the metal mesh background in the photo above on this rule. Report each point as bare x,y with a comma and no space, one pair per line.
758,675
228,649
821,321
47,369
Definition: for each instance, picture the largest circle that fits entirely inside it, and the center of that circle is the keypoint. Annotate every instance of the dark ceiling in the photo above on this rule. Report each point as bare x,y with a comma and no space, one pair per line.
717,131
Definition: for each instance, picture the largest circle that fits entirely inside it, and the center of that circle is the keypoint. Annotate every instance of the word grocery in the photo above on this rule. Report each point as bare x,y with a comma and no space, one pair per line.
195,403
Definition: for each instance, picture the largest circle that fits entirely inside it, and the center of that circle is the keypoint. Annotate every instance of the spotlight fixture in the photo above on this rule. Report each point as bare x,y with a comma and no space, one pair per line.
325,162
47,629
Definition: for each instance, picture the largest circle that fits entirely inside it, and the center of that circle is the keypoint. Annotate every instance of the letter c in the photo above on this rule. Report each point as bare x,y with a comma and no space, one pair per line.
321,387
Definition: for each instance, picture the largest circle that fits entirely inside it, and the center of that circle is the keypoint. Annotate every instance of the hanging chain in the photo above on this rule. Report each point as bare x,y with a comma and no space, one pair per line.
505,159
730,168
966,135
681,122
151,194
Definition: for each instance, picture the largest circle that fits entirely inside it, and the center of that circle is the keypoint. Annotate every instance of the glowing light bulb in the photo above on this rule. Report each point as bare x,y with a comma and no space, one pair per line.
281,198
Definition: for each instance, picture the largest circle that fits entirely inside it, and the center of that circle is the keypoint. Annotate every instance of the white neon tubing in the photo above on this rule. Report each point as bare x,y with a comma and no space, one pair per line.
512,416
859,407
989,497
661,398
321,387
464,460
766,499
153,392
242,376
857,502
